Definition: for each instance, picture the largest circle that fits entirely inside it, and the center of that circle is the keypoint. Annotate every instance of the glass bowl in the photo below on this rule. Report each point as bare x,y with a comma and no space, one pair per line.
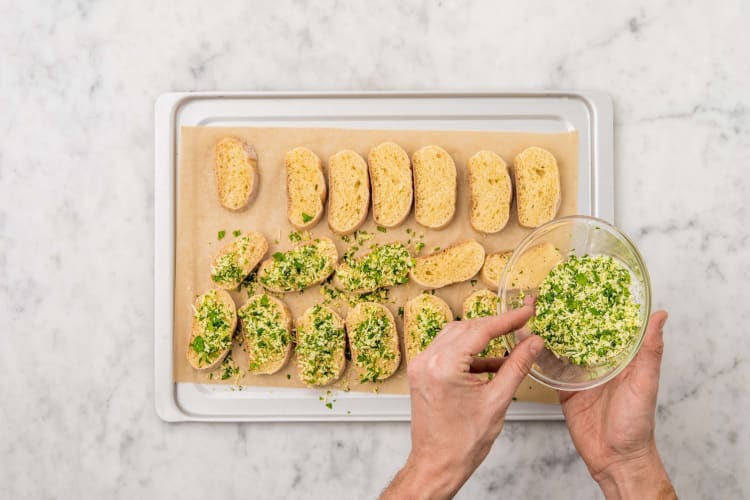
545,247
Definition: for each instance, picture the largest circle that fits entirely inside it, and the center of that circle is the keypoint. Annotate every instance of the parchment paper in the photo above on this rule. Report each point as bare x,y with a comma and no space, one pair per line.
200,217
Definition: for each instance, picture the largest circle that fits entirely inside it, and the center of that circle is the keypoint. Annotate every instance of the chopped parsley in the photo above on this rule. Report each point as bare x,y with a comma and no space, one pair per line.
236,232
306,218
430,321
215,320
321,341
295,236
585,311
371,340
386,265
229,269
419,246
228,368
297,269
220,235
267,338
382,229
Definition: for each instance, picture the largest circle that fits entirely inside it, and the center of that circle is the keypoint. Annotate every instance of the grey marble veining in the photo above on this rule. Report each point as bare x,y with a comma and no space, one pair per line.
77,86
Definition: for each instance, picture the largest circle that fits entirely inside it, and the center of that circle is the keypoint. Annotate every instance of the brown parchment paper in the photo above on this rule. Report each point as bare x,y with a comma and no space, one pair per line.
200,217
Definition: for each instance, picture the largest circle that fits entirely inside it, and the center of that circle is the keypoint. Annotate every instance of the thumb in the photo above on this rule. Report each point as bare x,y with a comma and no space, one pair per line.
648,359
515,368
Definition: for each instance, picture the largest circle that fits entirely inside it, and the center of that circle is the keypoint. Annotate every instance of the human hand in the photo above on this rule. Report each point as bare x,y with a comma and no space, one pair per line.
612,425
457,416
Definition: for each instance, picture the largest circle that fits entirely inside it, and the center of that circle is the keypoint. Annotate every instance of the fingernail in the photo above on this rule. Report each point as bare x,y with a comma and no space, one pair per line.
663,322
535,345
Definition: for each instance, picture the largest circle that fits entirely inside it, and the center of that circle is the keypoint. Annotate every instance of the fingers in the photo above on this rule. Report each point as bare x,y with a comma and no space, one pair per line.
515,368
475,334
648,360
485,365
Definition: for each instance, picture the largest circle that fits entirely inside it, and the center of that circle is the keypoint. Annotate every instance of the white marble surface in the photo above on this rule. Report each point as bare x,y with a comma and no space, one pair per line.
77,86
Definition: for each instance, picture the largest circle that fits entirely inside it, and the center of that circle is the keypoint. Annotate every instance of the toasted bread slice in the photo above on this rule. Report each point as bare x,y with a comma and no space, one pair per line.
373,340
481,304
537,186
493,267
266,327
349,197
303,266
384,266
533,266
491,192
321,346
435,186
214,322
236,171
459,262
236,260
424,317
305,187
390,177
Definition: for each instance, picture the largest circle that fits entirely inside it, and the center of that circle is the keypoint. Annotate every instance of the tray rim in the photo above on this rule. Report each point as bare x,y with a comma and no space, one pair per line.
167,105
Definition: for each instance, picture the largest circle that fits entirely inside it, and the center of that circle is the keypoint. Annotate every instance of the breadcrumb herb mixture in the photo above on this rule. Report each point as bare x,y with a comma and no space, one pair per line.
585,311
297,268
429,323
317,348
215,320
385,265
482,307
267,338
370,339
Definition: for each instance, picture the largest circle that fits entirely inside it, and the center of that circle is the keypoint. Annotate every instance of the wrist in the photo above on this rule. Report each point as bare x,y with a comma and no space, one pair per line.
426,478
643,476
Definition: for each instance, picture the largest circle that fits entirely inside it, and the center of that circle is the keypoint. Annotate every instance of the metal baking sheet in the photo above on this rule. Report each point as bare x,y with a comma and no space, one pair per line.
590,113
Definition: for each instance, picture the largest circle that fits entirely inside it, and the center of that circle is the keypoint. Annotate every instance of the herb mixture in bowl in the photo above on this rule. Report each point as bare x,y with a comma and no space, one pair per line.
585,311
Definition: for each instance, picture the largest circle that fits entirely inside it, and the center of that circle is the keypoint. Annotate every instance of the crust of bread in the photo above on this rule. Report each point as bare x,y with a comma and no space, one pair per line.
435,186
305,187
494,263
356,315
236,173
256,248
340,356
491,192
271,367
349,192
326,245
537,186
391,182
192,357
411,310
459,262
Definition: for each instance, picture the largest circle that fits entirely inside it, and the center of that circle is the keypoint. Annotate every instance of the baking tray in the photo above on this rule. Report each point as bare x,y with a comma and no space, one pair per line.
590,113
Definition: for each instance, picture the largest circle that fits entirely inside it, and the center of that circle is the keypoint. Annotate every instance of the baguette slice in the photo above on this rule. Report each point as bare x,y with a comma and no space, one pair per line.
493,267
301,267
236,260
236,171
534,265
459,262
384,266
435,187
424,317
481,304
214,322
349,197
391,180
491,192
266,327
305,187
537,186
373,340
321,346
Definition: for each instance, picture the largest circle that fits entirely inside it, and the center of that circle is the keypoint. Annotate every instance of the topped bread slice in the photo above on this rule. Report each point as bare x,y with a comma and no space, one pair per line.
459,262
373,340
537,186
349,196
236,171
493,267
321,346
266,328
491,192
424,317
391,181
214,322
305,187
303,266
236,260
435,186
481,304
385,265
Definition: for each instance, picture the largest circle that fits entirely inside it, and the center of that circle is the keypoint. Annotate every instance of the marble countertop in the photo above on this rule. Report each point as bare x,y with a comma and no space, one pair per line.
77,87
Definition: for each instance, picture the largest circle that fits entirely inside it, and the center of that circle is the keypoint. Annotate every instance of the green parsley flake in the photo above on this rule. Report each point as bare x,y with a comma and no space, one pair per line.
319,345
386,265
236,232
295,236
220,235
306,218
214,319
370,339
266,337
585,311
429,323
296,269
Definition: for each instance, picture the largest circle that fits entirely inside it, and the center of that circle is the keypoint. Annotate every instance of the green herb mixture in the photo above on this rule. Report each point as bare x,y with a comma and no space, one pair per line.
297,268
429,323
481,307
318,345
386,265
370,339
585,311
215,320
266,337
